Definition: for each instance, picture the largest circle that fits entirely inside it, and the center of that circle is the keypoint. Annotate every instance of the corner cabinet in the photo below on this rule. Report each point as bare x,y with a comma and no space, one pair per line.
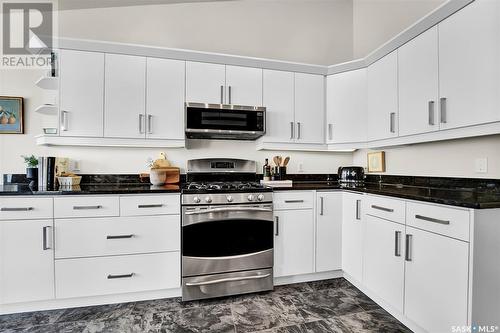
328,231
309,108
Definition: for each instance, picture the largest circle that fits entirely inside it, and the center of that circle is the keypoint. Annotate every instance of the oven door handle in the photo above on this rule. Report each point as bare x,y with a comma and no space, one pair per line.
243,278
230,209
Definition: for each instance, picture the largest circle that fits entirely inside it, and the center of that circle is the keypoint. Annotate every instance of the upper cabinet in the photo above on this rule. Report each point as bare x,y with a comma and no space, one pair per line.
418,84
469,65
243,86
165,99
125,96
309,108
383,98
346,105
81,93
205,83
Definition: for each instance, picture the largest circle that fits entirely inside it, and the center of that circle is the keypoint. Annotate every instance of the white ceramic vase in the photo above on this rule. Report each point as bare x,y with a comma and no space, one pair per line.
157,177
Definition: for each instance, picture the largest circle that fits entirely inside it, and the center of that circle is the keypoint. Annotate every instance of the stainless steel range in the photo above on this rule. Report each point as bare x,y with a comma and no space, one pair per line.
227,230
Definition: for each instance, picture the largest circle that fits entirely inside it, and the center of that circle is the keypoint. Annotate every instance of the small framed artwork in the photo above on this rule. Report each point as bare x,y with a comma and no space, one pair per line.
11,115
376,161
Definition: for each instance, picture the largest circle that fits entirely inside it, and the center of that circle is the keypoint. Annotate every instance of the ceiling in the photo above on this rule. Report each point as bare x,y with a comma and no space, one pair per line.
84,4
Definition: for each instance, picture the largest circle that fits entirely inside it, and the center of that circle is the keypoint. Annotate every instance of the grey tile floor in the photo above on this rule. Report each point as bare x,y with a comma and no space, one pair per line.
315,307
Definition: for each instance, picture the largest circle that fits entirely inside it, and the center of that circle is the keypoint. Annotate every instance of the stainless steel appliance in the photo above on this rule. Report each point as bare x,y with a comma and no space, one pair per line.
351,175
224,121
227,230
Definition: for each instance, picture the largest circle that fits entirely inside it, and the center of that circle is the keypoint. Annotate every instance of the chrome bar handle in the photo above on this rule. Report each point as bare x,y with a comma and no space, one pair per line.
431,219
120,236
291,130
64,121
321,206
45,237
141,123
221,94
150,124
389,210
397,245
392,122
86,207
431,113
16,209
229,95
150,206
358,209
298,130
243,278
277,229
330,132
408,250
121,276
294,201
442,106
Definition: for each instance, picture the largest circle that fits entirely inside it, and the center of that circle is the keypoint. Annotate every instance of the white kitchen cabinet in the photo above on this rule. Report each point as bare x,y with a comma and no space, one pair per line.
346,107
165,83
278,99
293,242
81,93
436,281
418,84
26,261
328,231
309,108
243,85
469,66
352,235
383,98
205,83
383,262
125,96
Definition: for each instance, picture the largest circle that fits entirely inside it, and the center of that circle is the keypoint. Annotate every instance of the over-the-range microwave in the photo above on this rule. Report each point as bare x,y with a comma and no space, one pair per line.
224,121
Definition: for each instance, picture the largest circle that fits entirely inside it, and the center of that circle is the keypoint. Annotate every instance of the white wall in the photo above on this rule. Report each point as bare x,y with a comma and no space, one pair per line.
311,31
377,21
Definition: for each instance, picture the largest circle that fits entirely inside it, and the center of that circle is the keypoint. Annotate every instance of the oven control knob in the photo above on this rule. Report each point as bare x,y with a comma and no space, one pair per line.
260,197
229,198
208,199
196,200
251,197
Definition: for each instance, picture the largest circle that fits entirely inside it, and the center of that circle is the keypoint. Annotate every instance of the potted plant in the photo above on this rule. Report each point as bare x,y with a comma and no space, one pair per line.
31,167
157,174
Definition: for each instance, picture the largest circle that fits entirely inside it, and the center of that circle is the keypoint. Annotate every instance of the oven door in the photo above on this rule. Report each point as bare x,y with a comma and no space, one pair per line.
218,239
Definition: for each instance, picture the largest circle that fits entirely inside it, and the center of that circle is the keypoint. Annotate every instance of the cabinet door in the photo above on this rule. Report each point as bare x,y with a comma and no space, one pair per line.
352,235
279,102
26,261
383,98
165,99
81,93
418,84
346,105
125,96
436,281
469,66
329,231
205,83
293,242
383,263
309,108
244,85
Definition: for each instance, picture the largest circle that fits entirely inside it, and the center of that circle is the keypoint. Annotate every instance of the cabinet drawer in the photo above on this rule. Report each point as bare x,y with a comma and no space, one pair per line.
26,208
150,205
117,235
88,206
386,208
293,200
114,275
442,220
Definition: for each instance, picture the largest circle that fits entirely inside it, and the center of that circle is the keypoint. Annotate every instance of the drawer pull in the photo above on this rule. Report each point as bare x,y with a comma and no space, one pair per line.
430,219
122,276
86,207
243,278
150,206
294,201
120,236
389,210
16,209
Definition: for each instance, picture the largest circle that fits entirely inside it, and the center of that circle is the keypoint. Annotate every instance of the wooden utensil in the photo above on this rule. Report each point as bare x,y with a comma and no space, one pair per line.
285,162
276,160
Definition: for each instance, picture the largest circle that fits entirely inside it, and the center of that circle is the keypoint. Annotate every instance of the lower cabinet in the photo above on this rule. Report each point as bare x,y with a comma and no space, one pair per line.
383,264
352,235
328,231
436,281
26,261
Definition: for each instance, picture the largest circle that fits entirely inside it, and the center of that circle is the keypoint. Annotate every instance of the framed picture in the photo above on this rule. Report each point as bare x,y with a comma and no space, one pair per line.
11,115
376,161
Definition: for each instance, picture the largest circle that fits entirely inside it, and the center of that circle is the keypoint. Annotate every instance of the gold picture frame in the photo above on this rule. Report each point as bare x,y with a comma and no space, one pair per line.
376,161
11,115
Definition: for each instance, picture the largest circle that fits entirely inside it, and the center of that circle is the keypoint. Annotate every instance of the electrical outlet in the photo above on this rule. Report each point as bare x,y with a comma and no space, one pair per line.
300,167
74,165
481,165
